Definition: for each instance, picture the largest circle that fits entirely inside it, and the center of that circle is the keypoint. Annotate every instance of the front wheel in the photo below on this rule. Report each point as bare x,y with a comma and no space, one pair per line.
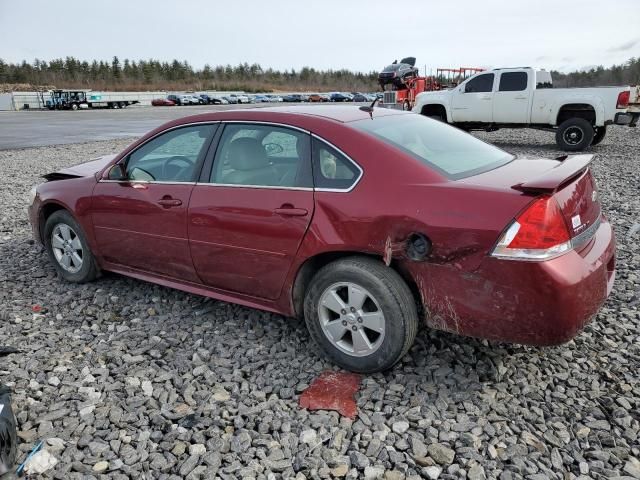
67,246
361,313
574,134
599,135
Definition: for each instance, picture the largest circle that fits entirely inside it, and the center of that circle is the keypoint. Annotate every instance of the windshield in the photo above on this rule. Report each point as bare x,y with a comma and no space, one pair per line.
446,149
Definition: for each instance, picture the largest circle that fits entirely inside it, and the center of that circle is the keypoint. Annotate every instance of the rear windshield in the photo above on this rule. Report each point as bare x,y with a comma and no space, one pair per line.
446,149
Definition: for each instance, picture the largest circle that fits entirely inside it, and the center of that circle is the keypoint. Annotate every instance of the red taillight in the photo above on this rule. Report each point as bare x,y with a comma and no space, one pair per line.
541,226
539,233
623,99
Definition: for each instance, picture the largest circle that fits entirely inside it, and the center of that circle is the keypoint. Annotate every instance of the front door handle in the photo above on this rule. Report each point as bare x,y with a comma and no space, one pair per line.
168,202
291,211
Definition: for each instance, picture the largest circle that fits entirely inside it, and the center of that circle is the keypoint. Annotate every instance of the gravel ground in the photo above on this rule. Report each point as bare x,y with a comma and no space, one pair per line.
130,380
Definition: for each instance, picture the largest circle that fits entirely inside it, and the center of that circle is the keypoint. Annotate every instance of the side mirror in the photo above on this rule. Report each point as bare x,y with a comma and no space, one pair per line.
116,172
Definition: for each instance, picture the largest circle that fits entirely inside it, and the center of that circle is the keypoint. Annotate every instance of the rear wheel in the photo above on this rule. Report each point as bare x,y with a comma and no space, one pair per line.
361,314
600,132
574,134
74,106
67,246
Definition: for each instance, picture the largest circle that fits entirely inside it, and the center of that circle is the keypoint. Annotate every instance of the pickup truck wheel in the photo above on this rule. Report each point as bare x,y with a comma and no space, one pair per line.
574,134
599,135
361,313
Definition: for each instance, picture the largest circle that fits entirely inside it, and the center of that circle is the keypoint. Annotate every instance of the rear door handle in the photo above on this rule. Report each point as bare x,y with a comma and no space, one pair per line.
169,202
291,211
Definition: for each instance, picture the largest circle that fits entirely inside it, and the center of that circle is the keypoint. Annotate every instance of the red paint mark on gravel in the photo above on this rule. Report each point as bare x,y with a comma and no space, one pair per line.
333,391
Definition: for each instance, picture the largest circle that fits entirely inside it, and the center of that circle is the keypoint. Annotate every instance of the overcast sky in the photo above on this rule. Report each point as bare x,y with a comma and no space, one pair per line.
360,35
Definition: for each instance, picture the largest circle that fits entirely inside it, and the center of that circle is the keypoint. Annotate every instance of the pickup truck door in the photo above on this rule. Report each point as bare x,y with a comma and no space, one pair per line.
473,100
512,99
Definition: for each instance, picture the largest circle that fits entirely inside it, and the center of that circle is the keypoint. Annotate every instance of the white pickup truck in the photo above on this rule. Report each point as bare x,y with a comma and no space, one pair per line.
524,97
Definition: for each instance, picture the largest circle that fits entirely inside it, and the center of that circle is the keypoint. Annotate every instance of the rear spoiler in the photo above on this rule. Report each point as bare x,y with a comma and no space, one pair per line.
570,166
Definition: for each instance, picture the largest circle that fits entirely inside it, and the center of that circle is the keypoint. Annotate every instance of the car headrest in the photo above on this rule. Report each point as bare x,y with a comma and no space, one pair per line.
247,154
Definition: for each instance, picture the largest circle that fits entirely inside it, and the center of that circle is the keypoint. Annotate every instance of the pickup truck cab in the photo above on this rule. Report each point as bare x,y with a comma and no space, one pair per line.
524,97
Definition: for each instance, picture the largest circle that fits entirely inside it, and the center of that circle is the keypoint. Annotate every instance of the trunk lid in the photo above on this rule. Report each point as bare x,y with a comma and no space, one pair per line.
567,179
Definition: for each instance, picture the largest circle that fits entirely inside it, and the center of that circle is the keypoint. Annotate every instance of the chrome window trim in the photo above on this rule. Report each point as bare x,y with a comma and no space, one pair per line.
175,127
356,181
266,122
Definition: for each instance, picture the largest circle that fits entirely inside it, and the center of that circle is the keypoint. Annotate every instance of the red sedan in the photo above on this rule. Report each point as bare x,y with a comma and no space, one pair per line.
366,222
162,102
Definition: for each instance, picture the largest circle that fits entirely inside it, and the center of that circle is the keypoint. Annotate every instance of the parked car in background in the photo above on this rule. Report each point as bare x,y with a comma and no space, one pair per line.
274,98
208,100
162,102
325,97
232,99
524,97
304,97
315,97
339,97
176,99
200,99
260,99
510,249
360,97
294,97
240,98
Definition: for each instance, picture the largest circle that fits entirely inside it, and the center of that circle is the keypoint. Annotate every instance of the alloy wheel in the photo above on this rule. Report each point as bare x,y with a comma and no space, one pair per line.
67,248
351,319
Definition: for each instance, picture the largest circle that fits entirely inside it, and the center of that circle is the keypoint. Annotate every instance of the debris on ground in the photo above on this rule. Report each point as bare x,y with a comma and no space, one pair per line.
40,462
333,391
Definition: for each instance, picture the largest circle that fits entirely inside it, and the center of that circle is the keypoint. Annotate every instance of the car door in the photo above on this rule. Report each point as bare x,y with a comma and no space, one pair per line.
249,213
512,99
141,222
473,100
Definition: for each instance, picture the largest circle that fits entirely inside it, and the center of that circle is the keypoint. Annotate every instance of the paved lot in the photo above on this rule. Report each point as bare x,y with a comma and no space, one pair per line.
41,128
133,380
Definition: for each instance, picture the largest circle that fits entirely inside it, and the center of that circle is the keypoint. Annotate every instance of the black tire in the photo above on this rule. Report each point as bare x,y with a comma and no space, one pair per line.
574,134
89,269
74,106
393,297
406,106
599,135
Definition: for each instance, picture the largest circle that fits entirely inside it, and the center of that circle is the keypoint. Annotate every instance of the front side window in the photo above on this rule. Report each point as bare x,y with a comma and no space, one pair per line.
262,155
173,156
445,149
479,84
331,169
513,82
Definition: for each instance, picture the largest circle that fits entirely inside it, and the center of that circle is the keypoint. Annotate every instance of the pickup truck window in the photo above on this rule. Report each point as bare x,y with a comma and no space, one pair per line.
445,149
513,82
479,84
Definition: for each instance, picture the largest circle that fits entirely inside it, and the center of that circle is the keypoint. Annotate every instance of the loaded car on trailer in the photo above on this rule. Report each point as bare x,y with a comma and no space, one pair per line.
77,99
525,98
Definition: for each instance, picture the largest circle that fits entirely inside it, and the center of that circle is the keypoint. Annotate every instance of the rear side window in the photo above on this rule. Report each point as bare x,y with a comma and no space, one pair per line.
331,169
479,84
513,82
446,149
262,155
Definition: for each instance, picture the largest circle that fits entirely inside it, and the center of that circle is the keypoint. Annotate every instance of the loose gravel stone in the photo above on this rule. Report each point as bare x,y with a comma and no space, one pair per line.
140,377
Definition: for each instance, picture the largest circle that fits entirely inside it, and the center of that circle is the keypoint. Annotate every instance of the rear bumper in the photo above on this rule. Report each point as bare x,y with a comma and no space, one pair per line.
626,118
533,303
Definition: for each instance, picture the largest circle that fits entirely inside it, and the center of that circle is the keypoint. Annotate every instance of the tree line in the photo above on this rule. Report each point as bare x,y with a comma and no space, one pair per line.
180,75
176,75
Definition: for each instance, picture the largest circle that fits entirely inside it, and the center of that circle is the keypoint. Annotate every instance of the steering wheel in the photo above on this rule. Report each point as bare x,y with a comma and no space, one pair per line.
174,162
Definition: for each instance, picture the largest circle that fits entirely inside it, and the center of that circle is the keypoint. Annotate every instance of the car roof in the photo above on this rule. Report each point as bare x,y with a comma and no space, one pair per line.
338,113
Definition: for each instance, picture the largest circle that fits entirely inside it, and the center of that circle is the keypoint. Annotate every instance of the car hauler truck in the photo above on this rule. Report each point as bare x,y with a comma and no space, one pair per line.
77,99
